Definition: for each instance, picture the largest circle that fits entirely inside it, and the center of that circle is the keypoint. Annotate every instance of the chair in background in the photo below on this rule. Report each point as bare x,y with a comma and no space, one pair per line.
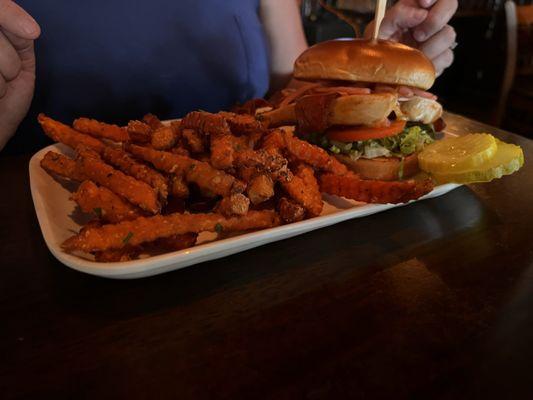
320,24
515,108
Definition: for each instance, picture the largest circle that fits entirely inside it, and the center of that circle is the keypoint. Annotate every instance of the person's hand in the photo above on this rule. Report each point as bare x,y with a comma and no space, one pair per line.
422,24
18,30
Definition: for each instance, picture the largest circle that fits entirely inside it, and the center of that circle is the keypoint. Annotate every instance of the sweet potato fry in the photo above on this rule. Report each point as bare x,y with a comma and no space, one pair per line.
107,206
135,191
242,124
274,140
260,189
242,143
172,243
180,151
178,187
236,204
118,255
62,133
152,121
216,127
101,129
161,160
128,253
148,229
303,189
176,242
370,191
164,138
127,164
194,140
290,211
194,171
205,123
313,155
58,164
264,160
139,132
313,203
222,152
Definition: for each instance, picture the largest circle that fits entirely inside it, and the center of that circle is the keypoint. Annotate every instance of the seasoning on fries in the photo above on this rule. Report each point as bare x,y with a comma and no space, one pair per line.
135,191
101,129
142,172
65,134
58,164
154,187
105,204
148,229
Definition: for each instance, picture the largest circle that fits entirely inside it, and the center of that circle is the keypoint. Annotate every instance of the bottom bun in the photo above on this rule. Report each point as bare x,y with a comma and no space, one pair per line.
382,168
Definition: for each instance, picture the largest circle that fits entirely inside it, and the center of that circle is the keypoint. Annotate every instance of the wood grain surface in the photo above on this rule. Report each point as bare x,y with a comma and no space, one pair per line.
432,300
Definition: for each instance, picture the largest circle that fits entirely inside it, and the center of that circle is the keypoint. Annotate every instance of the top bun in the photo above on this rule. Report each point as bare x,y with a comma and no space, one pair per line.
364,60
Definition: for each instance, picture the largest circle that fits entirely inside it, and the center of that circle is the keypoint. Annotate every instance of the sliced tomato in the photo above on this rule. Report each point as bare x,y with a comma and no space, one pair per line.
356,134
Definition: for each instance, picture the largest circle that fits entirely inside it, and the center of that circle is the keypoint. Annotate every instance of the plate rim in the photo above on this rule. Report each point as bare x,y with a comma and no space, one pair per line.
167,262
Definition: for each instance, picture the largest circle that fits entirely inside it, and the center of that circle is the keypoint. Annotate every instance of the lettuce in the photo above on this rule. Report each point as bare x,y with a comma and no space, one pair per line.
412,139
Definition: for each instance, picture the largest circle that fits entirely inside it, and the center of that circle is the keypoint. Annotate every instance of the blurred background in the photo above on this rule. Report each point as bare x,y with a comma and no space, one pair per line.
491,79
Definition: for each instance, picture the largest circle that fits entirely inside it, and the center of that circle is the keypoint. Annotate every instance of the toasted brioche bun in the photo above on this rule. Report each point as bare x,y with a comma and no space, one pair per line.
381,168
361,60
357,109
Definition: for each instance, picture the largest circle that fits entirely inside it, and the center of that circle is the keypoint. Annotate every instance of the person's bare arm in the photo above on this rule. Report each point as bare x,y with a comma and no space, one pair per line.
286,40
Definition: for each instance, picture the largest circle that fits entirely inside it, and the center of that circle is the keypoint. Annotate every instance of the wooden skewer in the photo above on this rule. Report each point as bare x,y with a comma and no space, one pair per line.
381,5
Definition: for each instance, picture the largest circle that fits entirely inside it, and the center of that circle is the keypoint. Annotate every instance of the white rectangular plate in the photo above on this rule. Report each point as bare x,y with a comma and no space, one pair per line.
55,211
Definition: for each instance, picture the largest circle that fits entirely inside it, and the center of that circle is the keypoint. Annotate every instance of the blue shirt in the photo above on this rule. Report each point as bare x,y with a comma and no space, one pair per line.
116,60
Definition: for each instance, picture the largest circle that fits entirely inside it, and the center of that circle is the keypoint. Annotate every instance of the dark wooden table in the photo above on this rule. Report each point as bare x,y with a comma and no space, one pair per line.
432,300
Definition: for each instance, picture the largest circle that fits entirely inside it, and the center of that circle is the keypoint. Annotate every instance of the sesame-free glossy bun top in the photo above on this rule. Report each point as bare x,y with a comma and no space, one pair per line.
362,60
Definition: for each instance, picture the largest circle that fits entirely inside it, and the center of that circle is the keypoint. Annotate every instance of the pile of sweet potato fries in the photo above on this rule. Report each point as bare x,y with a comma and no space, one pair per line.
153,187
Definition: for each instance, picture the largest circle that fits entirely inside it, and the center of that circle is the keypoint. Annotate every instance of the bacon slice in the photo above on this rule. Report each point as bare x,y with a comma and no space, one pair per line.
297,93
341,90
312,112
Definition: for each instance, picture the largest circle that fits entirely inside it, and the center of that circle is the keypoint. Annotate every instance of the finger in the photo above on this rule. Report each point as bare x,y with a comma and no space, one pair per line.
443,61
426,3
3,87
10,63
439,42
399,18
17,21
25,50
438,16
